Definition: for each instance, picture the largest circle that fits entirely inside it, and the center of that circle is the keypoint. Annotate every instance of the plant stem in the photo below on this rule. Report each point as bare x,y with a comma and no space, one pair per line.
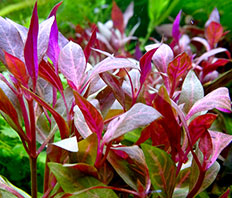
33,167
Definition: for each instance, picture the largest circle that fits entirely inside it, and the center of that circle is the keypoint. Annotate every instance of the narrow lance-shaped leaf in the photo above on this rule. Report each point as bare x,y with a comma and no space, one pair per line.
91,114
177,69
218,99
53,47
17,68
63,127
72,63
30,50
90,44
139,115
128,14
175,28
162,170
117,17
145,64
192,91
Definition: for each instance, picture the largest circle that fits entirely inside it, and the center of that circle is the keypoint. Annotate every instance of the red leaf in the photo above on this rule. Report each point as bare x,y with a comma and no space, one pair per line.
91,114
117,17
213,33
200,125
145,64
7,107
63,127
206,147
207,68
30,50
169,122
177,69
226,194
17,68
90,44
47,72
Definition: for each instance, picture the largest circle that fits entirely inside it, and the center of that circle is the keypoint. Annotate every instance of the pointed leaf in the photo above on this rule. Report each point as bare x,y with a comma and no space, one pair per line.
212,67
214,32
91,114
69,144
192,91
218,99
214,16
73,181
47,72
90,44
117,17
17,68
72,63
162,57
128,14
30,49
43,37
220,141
175,28
7,107
162,170
226,194
139,115
10,40
87,152
63,127
178,68
111,63
145,64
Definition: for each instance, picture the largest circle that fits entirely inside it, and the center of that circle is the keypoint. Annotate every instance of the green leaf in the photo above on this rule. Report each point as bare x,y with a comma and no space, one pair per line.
162,170
192,91
88,150
73,181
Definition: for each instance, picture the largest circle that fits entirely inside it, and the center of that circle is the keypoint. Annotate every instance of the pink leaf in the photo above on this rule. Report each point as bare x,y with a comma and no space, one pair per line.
91,114
30,50
175,28
72,63
220,141
218,99
145,64
139,115
117,17
162,57
128,14
214,16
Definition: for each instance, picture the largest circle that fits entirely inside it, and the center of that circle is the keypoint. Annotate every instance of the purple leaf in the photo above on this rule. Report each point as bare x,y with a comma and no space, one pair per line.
72,63
162,57
43,37
53,47
220,141
192,91
111,63
139,115
218,99
30,50
10,40
145,64
175,28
